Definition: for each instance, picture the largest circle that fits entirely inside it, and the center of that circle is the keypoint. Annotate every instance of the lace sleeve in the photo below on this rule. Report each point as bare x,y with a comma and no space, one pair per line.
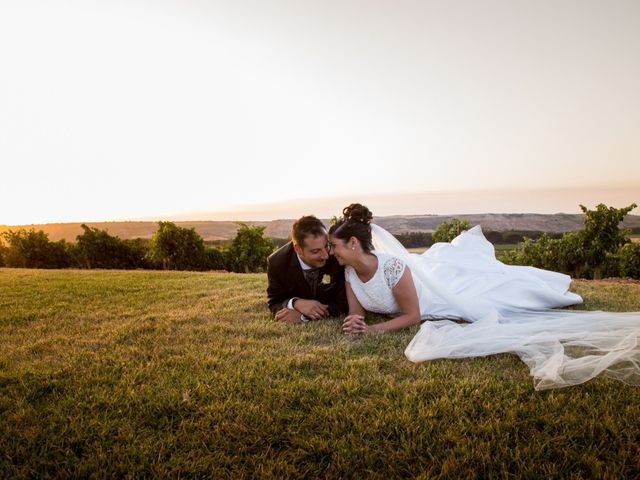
393,270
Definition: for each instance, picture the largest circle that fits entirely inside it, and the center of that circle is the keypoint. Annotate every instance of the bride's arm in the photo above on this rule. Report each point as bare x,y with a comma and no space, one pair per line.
354,322
354,305
407,299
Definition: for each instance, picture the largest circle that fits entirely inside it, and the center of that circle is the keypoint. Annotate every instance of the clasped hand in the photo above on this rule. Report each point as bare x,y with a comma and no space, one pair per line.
354,324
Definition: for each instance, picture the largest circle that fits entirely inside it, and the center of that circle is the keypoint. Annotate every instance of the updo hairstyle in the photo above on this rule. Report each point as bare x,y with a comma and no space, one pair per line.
355,222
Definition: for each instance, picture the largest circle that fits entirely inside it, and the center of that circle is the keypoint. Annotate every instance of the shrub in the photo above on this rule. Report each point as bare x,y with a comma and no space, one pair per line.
249,250
214,259
597,250
415,239
97,249
177,248
448,231
629,260
32,249
602,235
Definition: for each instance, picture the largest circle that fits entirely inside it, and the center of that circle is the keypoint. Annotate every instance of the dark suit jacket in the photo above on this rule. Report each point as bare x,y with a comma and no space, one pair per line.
286,281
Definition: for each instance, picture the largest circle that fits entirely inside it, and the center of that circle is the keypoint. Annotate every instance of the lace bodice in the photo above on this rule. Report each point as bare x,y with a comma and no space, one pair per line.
376,295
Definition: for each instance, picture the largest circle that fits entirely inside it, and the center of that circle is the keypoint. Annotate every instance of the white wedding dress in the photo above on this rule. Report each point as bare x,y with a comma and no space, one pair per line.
510,309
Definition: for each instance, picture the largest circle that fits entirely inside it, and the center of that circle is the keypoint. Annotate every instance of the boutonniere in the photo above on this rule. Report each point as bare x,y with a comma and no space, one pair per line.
326,279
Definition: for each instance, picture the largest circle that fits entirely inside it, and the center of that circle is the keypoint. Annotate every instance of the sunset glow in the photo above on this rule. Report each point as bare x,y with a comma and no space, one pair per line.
270,109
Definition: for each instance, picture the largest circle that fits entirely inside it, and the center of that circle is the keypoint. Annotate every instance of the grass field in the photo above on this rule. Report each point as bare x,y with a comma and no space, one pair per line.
138,374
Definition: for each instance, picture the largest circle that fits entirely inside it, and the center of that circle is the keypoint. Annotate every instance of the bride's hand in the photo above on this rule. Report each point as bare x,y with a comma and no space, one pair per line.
354,324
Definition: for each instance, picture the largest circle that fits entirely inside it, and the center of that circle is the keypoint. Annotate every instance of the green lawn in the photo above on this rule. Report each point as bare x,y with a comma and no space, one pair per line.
116,374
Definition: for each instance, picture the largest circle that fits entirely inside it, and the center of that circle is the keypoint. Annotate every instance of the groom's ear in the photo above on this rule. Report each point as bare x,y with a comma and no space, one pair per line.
296,248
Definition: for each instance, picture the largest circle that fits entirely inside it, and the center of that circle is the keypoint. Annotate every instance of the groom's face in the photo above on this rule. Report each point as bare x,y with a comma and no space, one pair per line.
313,251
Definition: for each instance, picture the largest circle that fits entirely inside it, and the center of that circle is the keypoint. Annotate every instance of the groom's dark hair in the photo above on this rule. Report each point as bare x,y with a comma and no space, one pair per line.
307,226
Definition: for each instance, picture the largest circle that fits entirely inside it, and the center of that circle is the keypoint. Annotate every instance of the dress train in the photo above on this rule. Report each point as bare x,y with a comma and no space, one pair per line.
560,347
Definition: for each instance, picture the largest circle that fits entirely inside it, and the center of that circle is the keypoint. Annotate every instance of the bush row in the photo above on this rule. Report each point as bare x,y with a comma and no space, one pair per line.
507,237
171,247
569,255
600,250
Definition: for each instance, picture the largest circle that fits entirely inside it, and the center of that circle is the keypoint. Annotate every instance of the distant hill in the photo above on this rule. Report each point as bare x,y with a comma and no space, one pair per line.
224,230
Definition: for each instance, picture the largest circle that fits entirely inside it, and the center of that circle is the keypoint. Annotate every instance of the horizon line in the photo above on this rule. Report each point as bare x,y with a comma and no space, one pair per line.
231,220
535,201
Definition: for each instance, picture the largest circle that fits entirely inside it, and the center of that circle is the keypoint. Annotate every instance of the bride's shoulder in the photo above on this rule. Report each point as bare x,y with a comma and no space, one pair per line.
392,268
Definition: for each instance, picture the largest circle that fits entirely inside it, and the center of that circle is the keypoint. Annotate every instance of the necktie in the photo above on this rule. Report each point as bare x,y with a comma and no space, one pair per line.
311,276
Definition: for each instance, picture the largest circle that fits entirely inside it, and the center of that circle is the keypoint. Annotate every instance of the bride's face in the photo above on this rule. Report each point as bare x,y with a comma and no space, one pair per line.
339,249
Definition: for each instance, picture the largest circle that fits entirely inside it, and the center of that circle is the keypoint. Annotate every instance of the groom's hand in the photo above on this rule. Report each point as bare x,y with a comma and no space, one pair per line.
312,308
286,315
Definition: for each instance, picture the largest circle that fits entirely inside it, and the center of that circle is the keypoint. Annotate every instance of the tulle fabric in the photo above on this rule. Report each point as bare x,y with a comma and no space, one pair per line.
560,347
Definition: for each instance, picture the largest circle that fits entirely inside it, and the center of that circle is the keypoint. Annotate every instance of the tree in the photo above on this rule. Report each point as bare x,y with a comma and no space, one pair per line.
32,249
3,249
249,250
97,249
448,231
570,255
629,260
177,248
214,259
602,235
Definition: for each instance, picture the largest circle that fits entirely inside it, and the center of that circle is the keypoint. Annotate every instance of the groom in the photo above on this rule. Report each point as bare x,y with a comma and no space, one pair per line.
305,282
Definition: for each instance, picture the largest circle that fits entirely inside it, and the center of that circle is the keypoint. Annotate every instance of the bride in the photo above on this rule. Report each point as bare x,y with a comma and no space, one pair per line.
509,308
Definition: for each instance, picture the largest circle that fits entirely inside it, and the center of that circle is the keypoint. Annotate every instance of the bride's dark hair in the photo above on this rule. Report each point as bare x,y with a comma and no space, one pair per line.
355,222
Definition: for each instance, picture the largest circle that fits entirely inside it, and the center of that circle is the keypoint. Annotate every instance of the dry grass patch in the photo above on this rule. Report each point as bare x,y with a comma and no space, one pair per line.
181,374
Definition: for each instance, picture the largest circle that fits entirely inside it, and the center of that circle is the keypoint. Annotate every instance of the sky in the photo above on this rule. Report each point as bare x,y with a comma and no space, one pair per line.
264,109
